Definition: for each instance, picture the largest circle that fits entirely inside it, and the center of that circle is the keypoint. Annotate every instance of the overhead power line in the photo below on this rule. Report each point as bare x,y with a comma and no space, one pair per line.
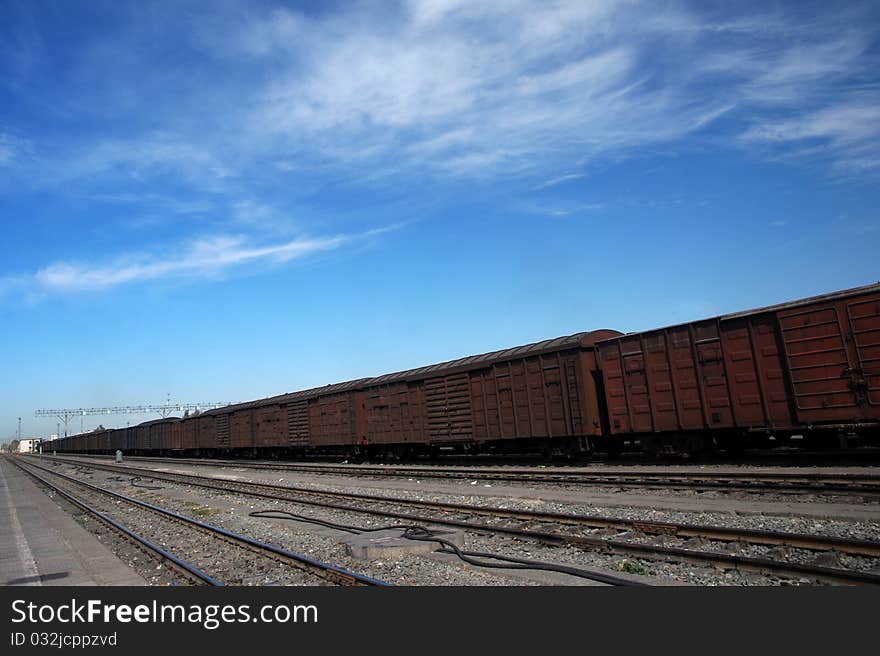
165,409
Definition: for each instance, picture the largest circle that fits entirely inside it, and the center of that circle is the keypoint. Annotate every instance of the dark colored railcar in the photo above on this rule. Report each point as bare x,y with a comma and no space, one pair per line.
148,436
176,435
241,426
780,370
543,393
165,434
130,438
808,364
117,440
270,426
333,420
201,433
157,433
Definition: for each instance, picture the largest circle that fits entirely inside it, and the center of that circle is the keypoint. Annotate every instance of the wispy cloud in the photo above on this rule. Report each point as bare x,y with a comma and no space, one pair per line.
202,258
849,130
489,89
454,89
559,180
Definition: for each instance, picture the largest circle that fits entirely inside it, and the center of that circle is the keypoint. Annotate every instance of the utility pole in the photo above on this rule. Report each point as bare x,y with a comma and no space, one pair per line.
19,429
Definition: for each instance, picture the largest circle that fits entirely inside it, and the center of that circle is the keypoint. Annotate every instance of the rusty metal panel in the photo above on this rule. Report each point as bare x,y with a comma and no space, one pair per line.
548,392
747,403
818,361
298,423
581,374
658,374
117,439
199,432
241,429
683,378
484,403
864,325
176,435
711,374
143,437
505,400
635,382
395,413
801,363
615,392
270,426
332,420
221,427
131,437
770,368
156,432
448,408
831,350
540,396
96,441
688,396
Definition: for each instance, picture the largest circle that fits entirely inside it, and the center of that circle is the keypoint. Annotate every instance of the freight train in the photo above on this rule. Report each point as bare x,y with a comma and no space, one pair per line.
809,368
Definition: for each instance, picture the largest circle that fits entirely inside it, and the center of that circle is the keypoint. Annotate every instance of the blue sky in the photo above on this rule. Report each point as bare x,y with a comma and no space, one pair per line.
229,200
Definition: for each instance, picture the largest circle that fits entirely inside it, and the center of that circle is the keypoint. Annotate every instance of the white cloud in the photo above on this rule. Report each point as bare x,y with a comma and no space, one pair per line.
842,123
202,258
849,130
500,89
559,180
453,88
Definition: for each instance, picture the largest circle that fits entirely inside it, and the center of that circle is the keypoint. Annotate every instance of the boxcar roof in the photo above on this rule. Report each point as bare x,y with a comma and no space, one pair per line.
485,359
429,371
822,298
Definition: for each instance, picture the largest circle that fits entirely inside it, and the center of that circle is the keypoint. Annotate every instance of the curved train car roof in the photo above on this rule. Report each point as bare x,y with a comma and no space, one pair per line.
822,298
459,365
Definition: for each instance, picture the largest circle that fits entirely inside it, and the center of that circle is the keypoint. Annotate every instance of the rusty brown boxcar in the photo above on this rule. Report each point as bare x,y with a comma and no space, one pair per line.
807,364
148,436
157,433
167,433
209,438
269,425
176,434
130,438
806,367
544,393
332,414
117,440
241,426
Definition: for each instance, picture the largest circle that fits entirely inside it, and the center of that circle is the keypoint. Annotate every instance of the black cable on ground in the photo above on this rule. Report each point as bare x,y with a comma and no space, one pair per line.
420,533
283,514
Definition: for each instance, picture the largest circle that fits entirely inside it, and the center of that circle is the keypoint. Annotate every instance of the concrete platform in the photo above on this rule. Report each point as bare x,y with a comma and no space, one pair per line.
390,544
41,544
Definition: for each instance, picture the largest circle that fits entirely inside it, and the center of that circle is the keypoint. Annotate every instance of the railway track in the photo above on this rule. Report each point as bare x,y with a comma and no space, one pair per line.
820,483
255,548
184,569
562,529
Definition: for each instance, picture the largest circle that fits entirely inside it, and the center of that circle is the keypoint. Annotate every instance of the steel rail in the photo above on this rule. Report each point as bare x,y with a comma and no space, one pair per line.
750,536
786,482
325,571
183,567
